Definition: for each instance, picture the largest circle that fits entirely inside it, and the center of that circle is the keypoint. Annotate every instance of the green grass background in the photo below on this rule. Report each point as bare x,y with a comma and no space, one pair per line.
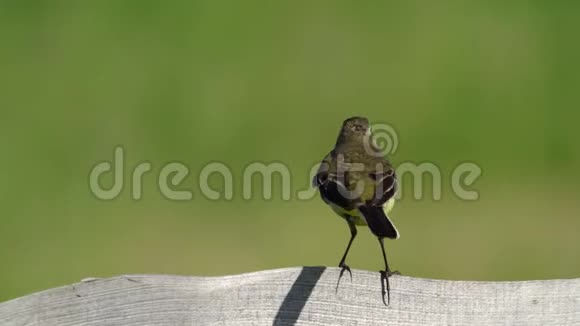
492,82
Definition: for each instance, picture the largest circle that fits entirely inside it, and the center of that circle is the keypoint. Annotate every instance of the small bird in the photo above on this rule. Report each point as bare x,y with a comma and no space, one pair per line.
359,186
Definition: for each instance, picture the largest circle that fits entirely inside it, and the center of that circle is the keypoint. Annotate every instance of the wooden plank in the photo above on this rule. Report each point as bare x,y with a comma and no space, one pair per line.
301,296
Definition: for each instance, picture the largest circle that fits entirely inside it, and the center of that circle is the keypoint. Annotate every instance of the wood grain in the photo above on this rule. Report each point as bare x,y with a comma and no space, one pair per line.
296,296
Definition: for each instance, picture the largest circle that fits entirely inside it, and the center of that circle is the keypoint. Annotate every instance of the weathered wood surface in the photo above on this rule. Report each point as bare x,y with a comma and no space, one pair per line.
301,296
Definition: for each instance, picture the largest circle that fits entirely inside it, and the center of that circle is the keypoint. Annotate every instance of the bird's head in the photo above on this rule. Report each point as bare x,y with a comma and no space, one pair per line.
355,128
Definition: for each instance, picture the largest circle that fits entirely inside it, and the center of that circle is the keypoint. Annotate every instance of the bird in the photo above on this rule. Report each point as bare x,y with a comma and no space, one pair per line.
360,187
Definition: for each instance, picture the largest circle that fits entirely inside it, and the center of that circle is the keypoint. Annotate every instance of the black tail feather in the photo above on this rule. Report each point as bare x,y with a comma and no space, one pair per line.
378,222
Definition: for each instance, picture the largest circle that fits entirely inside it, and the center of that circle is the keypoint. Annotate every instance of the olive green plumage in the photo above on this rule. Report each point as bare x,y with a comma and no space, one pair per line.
359,184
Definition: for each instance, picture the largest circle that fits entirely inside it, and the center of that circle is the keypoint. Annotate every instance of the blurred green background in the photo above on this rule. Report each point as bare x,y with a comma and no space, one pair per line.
237,82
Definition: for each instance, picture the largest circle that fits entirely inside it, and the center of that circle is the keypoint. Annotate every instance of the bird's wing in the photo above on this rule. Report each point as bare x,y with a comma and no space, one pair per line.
385,186
332,189
380,187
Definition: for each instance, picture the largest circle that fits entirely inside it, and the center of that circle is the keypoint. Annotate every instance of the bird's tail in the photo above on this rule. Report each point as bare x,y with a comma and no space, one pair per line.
379,222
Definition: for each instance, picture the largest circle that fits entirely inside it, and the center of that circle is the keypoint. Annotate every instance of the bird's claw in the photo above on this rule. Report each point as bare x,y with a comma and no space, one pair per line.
344,267
385,280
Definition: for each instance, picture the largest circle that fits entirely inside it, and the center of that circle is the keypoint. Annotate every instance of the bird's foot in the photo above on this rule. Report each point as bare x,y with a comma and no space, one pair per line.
385,286
344,267
391,273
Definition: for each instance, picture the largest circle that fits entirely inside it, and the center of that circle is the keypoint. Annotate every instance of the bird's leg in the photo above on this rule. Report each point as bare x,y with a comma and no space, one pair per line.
342,264
385,276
